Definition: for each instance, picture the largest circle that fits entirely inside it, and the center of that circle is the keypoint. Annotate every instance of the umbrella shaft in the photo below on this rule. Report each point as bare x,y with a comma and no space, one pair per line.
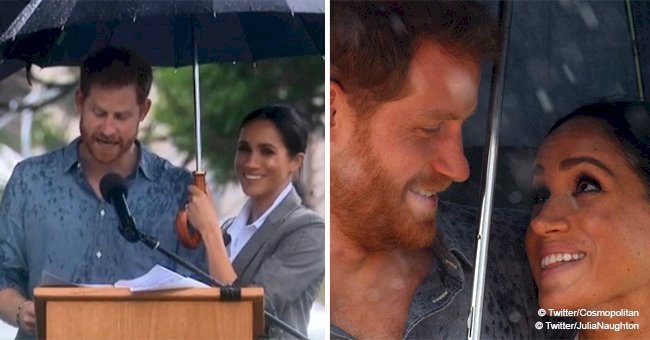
487,191
197,101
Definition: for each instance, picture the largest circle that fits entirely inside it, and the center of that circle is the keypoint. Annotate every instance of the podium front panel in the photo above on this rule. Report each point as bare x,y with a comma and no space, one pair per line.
112,313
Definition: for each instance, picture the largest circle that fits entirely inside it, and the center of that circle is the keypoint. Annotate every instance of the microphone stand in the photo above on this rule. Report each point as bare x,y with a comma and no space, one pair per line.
228,292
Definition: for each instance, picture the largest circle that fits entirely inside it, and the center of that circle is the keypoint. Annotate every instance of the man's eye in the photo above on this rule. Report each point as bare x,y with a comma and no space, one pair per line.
431,130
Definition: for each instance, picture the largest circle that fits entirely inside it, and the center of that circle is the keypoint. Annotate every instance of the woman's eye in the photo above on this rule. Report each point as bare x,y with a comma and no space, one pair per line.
587,186
243,148
586,183
540,196
267,152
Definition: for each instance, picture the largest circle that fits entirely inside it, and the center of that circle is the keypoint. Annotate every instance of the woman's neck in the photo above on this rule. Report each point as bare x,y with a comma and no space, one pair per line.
259,205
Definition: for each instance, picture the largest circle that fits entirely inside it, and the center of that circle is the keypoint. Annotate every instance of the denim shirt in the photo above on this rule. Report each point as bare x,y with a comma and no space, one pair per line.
51,220
440,306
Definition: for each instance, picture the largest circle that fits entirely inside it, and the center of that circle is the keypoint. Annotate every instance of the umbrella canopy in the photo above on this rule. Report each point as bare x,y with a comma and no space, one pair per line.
63,32
561,54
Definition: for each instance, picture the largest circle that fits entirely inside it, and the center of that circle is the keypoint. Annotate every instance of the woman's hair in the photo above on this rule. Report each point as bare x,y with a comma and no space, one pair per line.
292,128
629,123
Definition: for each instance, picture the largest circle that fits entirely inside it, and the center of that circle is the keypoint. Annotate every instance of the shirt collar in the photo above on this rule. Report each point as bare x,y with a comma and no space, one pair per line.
145,162
456,240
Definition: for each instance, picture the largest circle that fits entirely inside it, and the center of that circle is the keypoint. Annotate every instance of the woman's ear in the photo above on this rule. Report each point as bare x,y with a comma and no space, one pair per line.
297,162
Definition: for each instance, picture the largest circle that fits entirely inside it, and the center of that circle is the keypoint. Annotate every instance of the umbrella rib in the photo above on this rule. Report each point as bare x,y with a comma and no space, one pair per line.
637,63
20,20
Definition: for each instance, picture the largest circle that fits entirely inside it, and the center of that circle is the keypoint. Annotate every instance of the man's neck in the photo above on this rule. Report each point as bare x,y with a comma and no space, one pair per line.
382,281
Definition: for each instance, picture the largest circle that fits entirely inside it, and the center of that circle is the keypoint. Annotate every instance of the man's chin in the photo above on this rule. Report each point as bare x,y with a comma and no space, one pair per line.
104,157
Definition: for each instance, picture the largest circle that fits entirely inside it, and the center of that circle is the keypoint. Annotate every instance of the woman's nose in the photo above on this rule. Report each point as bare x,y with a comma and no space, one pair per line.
552,216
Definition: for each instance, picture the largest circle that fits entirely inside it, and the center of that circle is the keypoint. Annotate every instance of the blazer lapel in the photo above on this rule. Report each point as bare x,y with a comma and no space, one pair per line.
275,219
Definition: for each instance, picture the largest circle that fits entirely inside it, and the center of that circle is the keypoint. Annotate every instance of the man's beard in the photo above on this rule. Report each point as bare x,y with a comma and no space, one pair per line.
370,206
89,141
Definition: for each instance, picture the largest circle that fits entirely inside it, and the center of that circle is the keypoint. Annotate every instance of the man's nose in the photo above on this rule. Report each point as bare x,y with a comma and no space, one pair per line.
108,126
449,157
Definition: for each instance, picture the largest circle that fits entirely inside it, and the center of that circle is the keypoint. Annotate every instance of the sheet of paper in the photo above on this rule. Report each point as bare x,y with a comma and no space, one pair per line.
160,278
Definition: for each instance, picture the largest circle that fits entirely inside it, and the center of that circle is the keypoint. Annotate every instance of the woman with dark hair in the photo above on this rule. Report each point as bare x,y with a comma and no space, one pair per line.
275,241
589,236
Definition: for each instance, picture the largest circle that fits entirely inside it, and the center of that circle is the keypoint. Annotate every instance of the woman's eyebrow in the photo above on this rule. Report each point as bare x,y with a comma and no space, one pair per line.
571,162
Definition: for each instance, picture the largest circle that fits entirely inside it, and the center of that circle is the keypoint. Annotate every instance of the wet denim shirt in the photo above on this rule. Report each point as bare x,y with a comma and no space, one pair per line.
440,307
51,220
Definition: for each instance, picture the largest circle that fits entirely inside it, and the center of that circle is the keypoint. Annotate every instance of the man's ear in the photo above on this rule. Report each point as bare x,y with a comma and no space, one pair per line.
144,109
79,101
338,108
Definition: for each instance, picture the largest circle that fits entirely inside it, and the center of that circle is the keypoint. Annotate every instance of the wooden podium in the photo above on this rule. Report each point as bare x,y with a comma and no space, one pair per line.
116,313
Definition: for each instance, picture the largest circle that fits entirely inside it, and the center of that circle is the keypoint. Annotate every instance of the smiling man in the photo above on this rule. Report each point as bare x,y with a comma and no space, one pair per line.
52,215
404,78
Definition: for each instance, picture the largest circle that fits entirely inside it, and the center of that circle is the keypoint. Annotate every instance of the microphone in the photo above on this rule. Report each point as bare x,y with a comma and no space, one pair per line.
114,191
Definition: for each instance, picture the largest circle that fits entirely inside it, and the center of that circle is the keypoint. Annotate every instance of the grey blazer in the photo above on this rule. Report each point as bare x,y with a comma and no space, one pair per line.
287,257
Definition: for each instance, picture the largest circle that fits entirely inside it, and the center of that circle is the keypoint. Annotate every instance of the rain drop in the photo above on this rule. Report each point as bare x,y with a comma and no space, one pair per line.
374,295
292,13
544,100
234,62
515,197
254,65
397,284
134,17
514,317
569,73
588,16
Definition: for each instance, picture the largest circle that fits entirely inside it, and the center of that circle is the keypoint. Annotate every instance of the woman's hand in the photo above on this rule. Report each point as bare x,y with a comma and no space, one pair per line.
27,318
200,210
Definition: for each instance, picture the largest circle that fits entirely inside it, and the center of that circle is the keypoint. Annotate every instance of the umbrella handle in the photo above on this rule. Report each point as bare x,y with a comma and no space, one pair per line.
189,237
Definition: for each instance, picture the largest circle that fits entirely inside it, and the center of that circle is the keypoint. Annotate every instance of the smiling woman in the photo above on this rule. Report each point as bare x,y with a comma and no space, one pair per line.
275,241
587,241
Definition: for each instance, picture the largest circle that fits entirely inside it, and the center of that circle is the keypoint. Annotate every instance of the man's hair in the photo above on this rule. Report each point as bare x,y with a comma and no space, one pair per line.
116,67
373,42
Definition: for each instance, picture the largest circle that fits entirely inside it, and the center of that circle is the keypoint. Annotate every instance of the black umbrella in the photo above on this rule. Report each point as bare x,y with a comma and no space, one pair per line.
62,32
558,55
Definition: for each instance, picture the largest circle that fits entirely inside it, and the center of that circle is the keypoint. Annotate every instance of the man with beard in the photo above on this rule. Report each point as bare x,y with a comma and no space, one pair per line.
404,78
52,215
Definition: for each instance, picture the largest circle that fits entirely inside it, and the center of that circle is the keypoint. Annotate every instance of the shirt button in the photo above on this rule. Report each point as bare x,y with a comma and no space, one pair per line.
102,212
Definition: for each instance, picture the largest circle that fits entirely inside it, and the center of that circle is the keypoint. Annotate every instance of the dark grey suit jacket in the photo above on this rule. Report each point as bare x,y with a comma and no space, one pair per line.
287,257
